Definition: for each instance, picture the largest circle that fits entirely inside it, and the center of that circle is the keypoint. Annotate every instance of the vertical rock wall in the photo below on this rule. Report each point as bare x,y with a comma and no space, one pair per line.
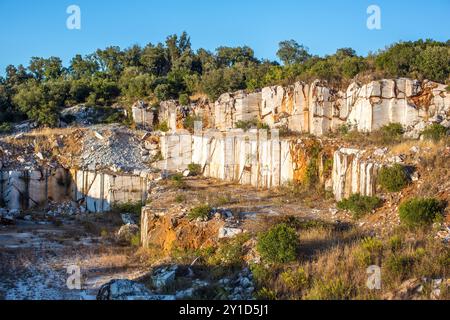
32,188
100,191
27,189
352,174
317,108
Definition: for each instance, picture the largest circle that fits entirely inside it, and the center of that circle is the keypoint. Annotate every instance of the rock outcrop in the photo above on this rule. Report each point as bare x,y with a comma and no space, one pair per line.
317,108
352,174
231,108
166,231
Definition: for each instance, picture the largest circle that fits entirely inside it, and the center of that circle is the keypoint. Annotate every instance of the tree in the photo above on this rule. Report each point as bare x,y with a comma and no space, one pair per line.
110,60
83,67
154,60
291,52
79,90
133,84
229,56
177,46
132,56
104,91
16,76
46,69
434,63
41,102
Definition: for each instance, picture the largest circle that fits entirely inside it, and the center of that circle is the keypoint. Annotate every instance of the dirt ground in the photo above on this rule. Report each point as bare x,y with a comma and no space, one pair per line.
35,256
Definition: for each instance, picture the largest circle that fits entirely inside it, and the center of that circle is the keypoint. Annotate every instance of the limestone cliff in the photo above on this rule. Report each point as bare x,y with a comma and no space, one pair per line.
317,108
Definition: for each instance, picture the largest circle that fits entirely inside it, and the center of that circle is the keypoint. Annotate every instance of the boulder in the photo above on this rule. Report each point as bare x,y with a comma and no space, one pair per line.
127,232
228,232
127,218
128,290
164,276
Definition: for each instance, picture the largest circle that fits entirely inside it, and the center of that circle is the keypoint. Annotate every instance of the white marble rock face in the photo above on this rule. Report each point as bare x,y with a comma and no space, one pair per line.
317,108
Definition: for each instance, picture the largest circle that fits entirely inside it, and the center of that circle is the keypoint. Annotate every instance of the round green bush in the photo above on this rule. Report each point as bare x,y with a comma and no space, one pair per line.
393,179
279,244
419,211
359,205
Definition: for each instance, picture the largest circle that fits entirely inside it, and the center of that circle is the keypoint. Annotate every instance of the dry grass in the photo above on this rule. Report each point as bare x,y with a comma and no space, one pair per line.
51,131
405,146
336,263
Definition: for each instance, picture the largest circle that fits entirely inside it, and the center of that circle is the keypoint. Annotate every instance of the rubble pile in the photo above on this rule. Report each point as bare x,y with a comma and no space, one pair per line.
115,148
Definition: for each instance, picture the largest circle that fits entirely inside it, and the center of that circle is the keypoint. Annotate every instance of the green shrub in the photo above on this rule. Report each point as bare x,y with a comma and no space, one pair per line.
246,125
163,127
393,179
261,274
135,240
262,126
359,205
335,289
448,88
419,211
177,181
129,207
201,212
279,244
370,251
180,198
195,169
295,279
230,252
392,131
343,129
399,265
395,243
266,294
435,132
5,127
184,99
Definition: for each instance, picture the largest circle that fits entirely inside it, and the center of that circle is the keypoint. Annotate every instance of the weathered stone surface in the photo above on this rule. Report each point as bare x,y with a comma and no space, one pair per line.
164,276
352,174
317,108
228,232
238,106
142,115
128,290
159,231
127,232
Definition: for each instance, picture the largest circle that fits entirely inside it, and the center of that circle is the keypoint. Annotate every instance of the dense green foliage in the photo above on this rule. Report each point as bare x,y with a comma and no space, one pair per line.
419,212
195,169
393,179
279,244
359,205
173,70
435,132
200,212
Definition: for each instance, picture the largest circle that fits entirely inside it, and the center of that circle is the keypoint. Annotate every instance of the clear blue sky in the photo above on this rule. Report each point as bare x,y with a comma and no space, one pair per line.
38,28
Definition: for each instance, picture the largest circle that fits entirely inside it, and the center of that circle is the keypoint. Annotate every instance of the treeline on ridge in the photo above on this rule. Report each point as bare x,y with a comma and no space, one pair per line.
173,70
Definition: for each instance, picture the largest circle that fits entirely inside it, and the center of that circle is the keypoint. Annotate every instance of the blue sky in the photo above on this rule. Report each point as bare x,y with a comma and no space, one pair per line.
38,28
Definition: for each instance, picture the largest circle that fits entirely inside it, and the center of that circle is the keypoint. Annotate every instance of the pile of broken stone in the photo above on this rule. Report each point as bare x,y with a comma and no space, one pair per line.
119,150
52,210
239,287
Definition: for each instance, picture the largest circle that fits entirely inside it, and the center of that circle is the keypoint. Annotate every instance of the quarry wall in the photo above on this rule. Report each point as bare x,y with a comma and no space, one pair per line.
261,159
25,189
317,108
